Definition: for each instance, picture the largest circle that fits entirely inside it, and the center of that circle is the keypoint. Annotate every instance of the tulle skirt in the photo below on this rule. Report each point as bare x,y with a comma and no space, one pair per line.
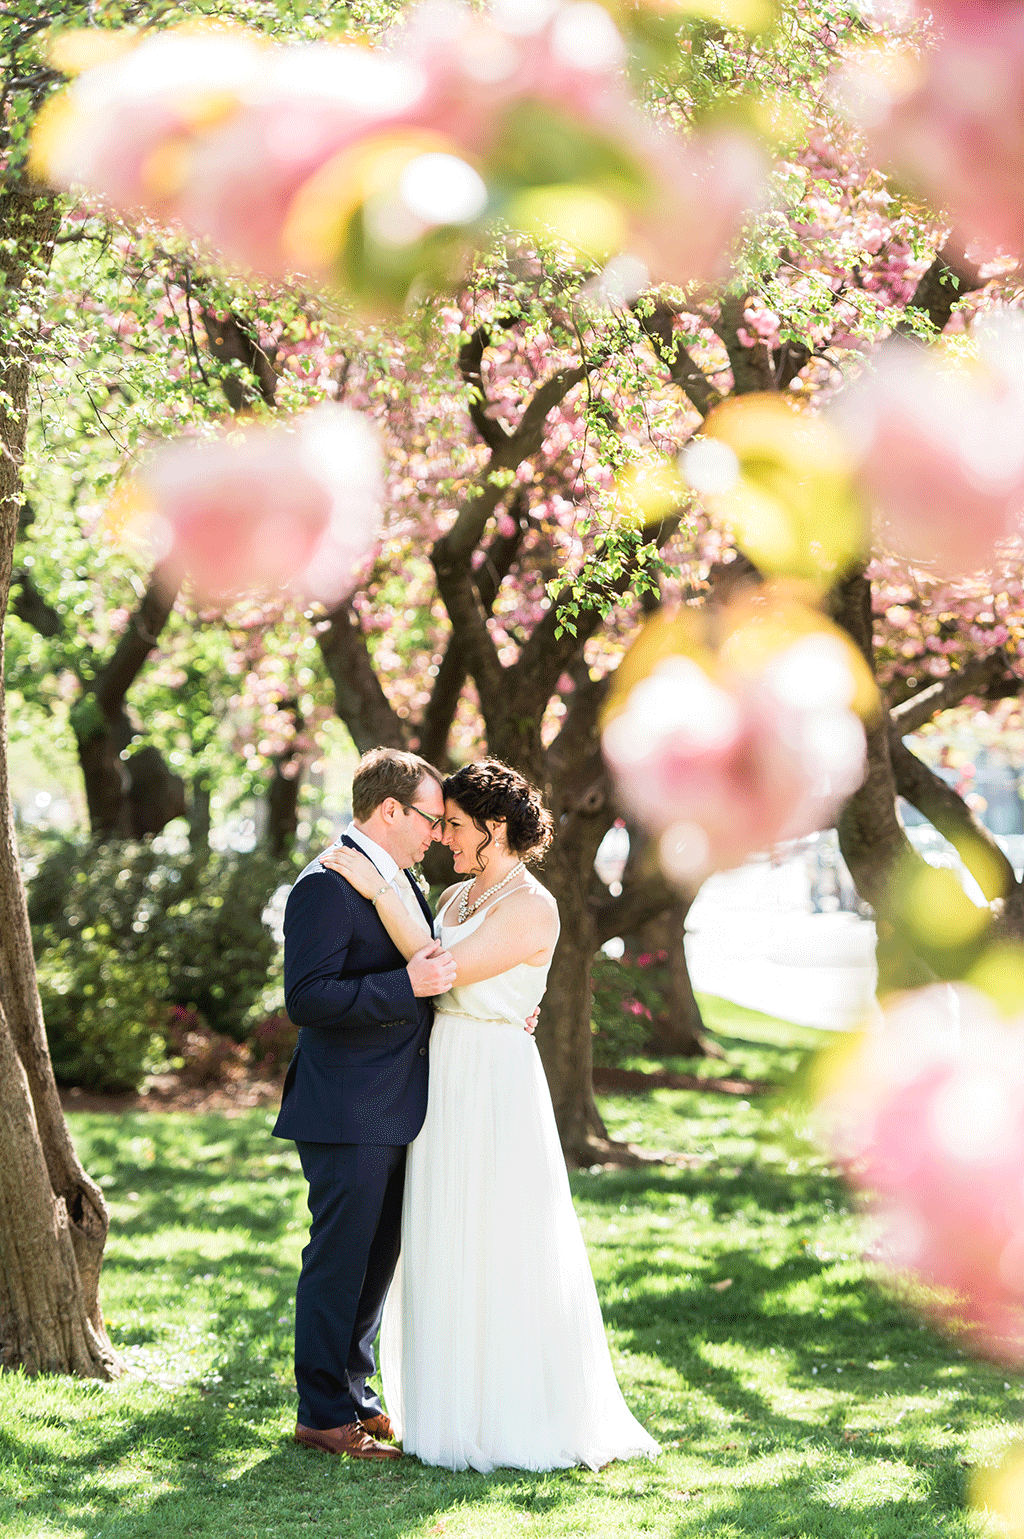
493,1349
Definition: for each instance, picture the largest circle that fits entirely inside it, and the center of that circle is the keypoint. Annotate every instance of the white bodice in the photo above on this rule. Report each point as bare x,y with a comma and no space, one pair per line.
509,996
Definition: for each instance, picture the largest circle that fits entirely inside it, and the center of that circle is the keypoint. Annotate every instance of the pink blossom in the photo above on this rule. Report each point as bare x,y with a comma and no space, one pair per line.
952,118
294,505
929,1119
271,152
245,175
941,449
703,188
123,128
721,769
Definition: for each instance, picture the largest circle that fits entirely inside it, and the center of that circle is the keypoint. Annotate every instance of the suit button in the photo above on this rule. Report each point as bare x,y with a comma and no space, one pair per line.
423,1052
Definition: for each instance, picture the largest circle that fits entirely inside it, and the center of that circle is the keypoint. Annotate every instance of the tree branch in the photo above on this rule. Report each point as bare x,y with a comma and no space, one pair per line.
977,677
950,275
947,812
471,355
452,554
465,534
634,907
683,371
30,606
451,676
752,368
546,656
117,676
457,587
359,698
233,340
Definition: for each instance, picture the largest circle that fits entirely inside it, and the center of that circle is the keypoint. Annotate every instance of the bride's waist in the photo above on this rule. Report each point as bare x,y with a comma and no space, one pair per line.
443,1007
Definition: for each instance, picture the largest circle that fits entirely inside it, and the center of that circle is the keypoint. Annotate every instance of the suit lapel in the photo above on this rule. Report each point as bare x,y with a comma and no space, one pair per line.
424,905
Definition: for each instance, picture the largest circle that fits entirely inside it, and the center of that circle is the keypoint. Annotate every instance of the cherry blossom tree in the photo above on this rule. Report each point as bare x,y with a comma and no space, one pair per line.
532,407
53,1219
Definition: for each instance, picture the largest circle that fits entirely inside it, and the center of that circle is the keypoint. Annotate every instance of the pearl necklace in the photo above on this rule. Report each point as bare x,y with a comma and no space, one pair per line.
467,909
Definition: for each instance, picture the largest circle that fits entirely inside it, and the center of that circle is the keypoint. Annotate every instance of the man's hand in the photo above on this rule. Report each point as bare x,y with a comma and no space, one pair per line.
431,971
530,1025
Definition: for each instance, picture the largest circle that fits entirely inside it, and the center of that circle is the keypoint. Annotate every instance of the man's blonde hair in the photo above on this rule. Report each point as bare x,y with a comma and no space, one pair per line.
385,772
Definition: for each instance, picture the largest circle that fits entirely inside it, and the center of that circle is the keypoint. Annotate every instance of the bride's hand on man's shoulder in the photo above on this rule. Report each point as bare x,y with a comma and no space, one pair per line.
354,866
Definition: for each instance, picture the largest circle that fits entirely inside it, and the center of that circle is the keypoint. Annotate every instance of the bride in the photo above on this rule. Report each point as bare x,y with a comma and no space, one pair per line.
493,1350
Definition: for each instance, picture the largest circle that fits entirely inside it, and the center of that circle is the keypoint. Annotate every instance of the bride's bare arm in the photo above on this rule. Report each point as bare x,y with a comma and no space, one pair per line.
409,934
521,928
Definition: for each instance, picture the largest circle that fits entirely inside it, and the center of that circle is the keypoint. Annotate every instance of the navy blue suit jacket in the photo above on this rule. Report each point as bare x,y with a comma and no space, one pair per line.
359,1072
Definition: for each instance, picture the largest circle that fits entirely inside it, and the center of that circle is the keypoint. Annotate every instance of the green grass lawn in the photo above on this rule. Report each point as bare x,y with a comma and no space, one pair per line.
793,1399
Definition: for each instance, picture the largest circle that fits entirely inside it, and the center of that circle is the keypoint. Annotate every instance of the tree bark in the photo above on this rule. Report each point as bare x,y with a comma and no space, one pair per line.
678,1032
283,797
53,1220
127,794
578,793
199,814
872,839
137,795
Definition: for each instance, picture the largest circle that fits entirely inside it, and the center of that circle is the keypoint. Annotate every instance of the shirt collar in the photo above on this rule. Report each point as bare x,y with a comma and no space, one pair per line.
385,863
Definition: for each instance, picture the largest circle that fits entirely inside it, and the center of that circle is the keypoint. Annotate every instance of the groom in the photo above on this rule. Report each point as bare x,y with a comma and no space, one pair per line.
356,1094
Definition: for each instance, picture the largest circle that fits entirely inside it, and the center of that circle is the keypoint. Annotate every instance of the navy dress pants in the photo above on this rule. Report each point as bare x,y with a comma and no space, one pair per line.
355,1198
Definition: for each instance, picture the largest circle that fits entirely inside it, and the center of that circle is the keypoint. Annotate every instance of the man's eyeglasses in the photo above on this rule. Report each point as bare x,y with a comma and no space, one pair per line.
435,822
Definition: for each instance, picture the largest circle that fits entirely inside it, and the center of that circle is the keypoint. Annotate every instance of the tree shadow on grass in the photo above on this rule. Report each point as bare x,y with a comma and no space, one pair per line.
826,1330
802,1505
181,1458
190,1447
187,1450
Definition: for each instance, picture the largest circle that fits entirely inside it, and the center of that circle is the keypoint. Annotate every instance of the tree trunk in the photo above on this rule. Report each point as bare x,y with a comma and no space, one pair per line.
283,808
135,795
564,1034
679,1031
872,839
199,819
579,794
53,1220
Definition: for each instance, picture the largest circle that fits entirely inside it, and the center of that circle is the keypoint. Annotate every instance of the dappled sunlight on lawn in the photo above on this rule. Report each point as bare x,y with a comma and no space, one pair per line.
793,1398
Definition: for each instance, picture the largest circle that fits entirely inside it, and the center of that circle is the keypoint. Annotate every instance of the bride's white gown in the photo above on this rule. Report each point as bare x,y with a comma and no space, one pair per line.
493,1350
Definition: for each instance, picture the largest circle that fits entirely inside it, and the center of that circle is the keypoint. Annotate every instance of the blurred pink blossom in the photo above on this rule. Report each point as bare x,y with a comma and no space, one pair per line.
940,449
293,505
123,128
313,104
270,151
951,117
929,1121
721,769
703,188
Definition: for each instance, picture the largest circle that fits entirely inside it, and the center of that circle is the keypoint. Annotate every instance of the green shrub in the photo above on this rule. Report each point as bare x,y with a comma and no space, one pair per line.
171,929
104,1012
627,998
222,951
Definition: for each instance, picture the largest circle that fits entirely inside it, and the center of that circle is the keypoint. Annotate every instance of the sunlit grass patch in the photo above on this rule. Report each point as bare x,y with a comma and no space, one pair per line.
793,1398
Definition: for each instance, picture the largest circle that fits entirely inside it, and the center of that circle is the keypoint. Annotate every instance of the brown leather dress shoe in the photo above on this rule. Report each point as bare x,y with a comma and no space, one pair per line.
353,1440
379,1426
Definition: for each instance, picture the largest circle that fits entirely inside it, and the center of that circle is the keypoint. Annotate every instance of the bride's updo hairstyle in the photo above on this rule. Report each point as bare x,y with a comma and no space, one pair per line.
489,791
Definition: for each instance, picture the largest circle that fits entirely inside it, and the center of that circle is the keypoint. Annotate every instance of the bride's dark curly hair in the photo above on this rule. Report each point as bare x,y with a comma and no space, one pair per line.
488,790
